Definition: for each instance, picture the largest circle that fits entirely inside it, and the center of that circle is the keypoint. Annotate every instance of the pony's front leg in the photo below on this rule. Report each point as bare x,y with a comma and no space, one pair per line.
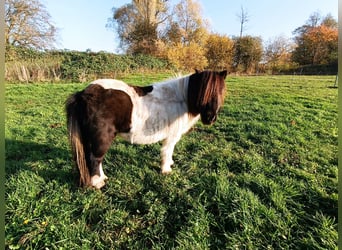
166,155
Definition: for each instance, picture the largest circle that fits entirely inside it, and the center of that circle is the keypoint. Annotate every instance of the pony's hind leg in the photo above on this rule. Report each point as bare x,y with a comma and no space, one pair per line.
107,112
98,177
102,175
100,147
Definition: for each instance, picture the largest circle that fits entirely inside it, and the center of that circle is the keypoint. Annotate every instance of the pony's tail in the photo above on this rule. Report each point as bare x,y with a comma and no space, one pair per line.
74,113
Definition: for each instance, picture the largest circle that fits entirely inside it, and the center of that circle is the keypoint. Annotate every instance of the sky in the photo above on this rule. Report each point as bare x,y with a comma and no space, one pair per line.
82,24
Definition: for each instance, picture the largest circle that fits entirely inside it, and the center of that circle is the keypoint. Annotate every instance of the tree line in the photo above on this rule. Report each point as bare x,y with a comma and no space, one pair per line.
180,35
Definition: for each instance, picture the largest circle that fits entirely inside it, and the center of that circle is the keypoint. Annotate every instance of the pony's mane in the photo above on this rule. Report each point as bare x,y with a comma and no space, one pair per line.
177,75
203,86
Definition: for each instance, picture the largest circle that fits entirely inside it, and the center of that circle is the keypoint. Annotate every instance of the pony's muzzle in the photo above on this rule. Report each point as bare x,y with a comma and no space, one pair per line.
209,118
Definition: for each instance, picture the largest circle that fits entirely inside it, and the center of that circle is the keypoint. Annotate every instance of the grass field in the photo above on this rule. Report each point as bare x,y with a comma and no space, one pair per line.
263,177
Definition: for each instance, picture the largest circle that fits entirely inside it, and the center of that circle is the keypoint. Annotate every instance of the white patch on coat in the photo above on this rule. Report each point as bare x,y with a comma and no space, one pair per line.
161,114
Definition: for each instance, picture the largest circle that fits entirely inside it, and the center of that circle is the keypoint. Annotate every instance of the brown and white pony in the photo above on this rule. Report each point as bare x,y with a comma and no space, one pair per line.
141,115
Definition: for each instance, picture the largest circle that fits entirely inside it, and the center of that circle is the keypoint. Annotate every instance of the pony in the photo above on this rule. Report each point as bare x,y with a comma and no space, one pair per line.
163,111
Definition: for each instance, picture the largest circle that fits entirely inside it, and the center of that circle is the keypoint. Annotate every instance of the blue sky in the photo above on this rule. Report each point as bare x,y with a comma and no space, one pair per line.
82,24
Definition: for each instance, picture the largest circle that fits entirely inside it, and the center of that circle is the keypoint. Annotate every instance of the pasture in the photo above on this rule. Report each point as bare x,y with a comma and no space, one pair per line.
264,176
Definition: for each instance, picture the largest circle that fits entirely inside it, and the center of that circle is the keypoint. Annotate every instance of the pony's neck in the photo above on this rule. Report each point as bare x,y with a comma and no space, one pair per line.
180,85
183,85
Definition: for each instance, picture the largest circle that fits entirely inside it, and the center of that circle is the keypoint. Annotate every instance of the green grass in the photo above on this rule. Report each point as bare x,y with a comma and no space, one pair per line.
263,177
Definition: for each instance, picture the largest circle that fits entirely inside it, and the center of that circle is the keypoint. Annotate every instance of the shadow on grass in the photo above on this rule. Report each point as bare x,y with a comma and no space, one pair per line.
48,161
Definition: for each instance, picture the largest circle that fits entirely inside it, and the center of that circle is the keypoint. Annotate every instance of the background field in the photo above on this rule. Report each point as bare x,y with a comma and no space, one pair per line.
263,177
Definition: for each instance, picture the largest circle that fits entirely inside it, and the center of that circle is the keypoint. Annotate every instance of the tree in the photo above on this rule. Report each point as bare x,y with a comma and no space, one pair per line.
317,41
278,53
173,34
186,36
329,21
28,24
137,24
243,19
248,52
154,28
219,51
191,25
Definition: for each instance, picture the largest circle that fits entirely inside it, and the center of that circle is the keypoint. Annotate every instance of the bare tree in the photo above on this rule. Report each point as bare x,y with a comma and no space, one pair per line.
243,19
314,19
28,24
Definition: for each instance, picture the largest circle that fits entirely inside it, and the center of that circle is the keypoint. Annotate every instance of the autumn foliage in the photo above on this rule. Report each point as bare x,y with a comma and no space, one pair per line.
181,35
322,40
219,51
178,33
316,43
187,57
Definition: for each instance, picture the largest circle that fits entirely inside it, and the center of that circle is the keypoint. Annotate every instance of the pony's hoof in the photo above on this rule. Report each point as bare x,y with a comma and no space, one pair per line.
97,182
99,185
166,171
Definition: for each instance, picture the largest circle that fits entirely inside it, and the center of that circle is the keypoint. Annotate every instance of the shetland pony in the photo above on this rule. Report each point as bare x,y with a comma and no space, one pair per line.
141,115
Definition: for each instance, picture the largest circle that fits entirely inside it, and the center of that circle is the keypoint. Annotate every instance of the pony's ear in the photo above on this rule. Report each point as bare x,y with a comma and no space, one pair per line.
224,74
198,71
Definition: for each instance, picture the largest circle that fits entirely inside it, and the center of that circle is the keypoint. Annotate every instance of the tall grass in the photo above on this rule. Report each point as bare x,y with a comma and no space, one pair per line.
37,71
263,177
27,65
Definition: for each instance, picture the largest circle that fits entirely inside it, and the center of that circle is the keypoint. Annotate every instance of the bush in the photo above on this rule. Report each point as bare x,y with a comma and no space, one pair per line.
187,57
219,51
82,66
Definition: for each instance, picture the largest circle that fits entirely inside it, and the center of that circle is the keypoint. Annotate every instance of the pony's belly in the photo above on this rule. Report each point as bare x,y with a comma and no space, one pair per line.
150,125
143,138
156,133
